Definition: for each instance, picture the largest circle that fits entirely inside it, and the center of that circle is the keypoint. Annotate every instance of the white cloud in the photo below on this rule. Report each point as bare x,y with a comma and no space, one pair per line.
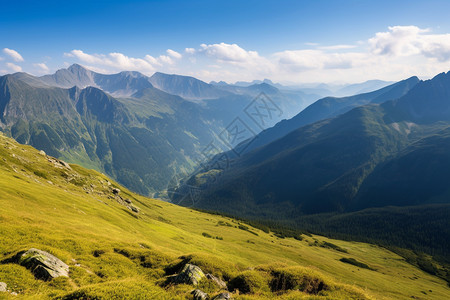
397,53
42,67
14,54
13,67
118,61
174,54
228,52
337,47
300,60
114,61
411,40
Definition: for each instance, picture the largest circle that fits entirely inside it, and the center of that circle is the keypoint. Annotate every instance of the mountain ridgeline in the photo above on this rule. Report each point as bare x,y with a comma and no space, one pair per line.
390,152
321,166
140,141
139,130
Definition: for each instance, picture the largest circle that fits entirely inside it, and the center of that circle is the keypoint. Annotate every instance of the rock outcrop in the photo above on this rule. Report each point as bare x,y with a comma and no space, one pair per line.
219,282
199,295
223,296
42,264
190,274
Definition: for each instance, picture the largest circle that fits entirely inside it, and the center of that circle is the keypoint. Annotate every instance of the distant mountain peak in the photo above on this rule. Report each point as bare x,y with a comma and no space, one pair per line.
133,74
185,86
76,68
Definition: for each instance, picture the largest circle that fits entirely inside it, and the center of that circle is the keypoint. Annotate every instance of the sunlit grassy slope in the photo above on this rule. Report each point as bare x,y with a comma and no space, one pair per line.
116,253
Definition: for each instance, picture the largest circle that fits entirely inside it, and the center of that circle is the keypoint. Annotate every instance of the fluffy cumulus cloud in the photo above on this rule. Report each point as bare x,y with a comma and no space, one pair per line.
14,67
13,54
174,54
411,40
232,59
189,50
396,53
228,53
118,62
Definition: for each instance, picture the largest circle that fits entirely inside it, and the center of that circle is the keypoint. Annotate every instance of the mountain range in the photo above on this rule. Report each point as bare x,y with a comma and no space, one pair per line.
382,149
106,121
321,165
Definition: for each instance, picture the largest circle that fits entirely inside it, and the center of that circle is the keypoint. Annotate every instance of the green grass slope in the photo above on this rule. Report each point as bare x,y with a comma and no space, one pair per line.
116,253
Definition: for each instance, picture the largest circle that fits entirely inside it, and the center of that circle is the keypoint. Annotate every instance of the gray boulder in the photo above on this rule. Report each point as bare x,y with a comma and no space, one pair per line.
219,282
3,287
199,295
42,264
191,274
223,296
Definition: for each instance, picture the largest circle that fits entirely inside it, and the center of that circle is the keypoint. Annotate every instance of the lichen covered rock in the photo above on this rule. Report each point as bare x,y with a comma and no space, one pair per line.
190,274
42,264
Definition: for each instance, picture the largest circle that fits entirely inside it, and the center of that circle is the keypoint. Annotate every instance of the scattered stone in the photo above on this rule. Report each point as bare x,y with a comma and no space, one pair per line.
14,293
134,209
64,164
127,201
42,152
199,295
116,191
3,287
220,283
223,296
191,274
42,264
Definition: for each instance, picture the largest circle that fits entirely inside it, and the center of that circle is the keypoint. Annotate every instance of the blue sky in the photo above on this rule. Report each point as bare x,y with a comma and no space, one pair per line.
230,40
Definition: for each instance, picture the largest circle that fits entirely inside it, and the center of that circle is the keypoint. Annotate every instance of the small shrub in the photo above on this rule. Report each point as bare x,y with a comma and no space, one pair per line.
285,279
223,223
298,237
333,246
354,262
40,174
98,252
246,228
249,282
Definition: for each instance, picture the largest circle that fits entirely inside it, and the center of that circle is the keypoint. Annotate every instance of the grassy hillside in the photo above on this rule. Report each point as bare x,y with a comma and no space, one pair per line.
115,252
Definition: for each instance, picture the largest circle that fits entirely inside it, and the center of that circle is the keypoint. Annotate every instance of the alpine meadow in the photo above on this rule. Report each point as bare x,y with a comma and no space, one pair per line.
225,150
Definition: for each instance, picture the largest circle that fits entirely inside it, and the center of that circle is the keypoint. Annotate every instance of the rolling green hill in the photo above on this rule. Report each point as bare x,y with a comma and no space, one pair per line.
124,246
